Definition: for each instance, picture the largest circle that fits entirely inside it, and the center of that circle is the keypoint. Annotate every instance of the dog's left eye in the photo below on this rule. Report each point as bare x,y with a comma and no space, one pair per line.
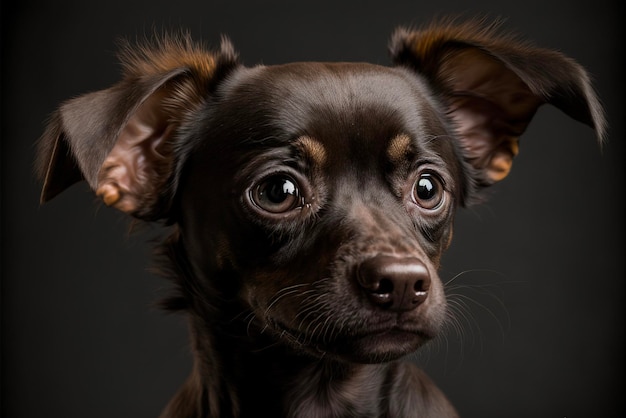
428,191
277,194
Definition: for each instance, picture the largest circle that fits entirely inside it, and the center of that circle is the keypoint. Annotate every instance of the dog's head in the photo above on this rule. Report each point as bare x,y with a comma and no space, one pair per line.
320,196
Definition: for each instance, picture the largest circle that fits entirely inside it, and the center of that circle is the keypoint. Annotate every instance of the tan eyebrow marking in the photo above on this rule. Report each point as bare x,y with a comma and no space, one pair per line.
398,148
313,149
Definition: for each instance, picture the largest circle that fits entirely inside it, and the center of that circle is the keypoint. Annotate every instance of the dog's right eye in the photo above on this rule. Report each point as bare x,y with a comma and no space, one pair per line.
277,194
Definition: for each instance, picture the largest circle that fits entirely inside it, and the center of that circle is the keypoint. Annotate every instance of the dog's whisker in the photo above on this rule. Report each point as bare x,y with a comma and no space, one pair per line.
326,328
246,312
459,309
311,304
251,319
490,311
312,310
466,272
291,290
461,318
311,330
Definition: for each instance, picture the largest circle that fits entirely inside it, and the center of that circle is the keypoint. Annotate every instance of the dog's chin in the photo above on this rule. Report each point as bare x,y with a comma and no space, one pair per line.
367,348
377,347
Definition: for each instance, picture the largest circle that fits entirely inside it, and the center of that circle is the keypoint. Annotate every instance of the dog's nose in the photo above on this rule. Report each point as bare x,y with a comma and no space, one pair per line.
394,283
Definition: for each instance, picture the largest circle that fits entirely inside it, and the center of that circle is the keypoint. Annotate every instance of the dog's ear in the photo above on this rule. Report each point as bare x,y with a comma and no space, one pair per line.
124,140
491,86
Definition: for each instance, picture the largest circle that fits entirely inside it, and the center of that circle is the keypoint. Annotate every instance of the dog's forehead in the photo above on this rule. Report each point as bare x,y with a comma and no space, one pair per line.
331,94
336,86
338,105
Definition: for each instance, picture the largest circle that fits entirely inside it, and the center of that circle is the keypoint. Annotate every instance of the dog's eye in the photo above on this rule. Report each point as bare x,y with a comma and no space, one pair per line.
428,191
277,194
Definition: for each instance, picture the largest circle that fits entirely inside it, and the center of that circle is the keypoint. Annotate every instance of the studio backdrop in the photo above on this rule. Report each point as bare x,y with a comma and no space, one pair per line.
539,268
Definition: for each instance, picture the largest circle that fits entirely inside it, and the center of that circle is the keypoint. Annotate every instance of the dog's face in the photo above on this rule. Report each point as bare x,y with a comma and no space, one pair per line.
332,199
318,197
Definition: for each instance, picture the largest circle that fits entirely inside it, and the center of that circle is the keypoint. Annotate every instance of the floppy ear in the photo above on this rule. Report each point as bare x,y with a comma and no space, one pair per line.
124,140
492,85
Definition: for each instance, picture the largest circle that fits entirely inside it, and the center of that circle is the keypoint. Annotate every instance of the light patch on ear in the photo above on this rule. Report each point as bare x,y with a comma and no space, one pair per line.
502,159
313,149
398,148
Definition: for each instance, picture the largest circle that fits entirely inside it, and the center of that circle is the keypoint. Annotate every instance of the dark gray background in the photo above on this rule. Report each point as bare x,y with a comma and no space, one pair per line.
543,330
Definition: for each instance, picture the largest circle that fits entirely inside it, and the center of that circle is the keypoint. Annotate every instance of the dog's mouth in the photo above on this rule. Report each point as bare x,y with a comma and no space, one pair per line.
374,345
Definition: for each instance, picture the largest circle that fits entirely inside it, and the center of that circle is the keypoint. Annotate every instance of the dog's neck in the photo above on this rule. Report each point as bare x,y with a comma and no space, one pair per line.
246,370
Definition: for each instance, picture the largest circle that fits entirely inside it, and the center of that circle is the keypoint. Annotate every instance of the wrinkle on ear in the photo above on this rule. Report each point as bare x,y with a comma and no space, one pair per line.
135,169
490,107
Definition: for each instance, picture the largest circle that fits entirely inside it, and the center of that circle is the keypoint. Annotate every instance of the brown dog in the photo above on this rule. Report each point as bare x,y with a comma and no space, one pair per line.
311,203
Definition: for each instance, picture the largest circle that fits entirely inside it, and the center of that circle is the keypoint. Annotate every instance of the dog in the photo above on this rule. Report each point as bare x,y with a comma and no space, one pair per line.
310,203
